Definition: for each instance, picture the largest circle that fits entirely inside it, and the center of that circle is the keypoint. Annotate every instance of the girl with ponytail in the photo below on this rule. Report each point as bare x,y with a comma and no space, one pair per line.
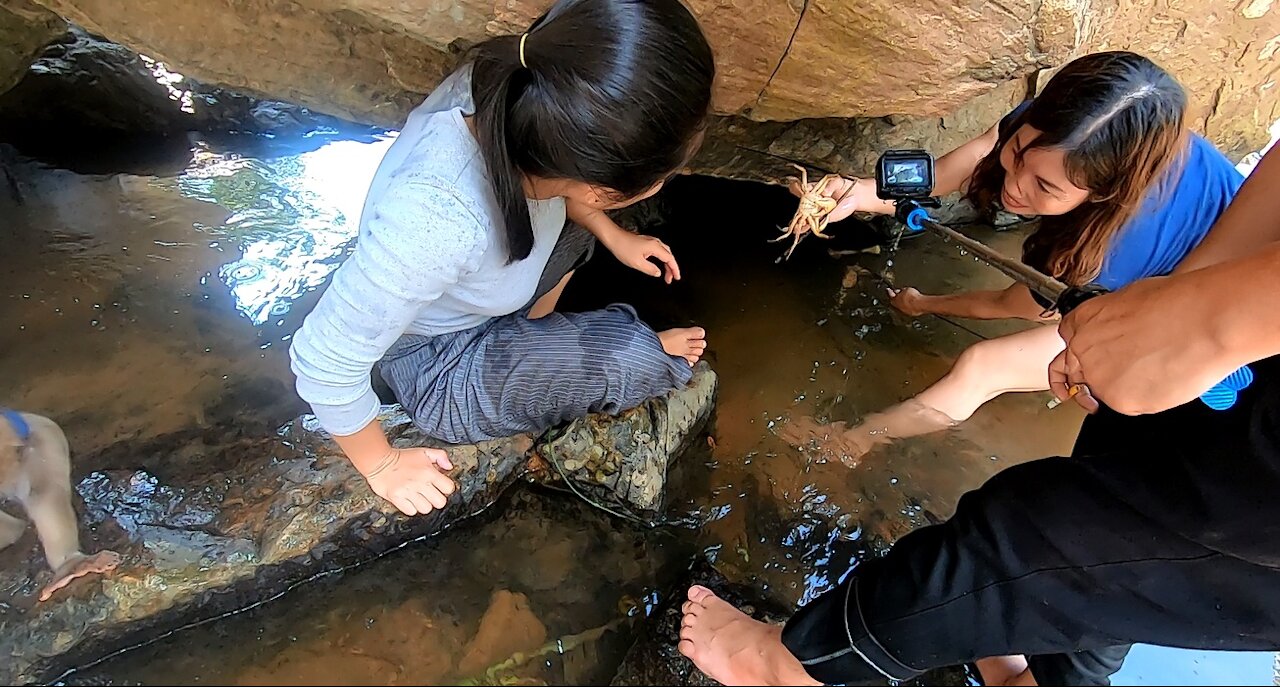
494,192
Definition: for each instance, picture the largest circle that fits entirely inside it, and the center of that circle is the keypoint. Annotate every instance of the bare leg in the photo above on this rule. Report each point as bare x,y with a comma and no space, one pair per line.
547,304
1018,362
734,648
11,529
1005,670
48,504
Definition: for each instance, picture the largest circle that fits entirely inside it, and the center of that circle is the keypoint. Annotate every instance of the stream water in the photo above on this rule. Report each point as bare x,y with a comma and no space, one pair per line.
138,304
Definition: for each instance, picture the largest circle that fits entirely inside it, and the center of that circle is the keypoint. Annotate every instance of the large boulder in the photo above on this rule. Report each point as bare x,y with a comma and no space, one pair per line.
223,524
82,86
25,29
918,60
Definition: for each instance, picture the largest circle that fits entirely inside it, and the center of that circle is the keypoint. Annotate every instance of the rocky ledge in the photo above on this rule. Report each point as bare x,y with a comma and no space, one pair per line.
256,516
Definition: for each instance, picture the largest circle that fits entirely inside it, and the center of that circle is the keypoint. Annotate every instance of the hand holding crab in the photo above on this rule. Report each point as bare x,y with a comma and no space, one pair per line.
818,201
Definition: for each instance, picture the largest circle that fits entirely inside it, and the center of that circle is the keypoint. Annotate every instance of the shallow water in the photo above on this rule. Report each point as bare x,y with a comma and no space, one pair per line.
132,306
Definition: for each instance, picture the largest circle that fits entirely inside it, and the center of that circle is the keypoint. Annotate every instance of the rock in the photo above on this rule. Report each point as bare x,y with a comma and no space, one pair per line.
507,626
25,29
397,645
82,85
1223,53
655,658
737,148
624,464
254,516
916,61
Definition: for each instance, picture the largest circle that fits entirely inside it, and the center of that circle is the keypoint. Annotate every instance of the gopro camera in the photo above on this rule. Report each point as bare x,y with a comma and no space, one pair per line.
905,175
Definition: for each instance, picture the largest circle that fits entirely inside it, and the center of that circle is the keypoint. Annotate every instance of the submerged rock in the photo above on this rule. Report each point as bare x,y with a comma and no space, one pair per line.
259,515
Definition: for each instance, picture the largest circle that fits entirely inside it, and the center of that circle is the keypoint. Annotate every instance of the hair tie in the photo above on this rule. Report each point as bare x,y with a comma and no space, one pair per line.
523,37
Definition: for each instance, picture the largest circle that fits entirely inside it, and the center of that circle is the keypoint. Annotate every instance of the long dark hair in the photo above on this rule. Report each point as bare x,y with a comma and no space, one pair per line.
1119,119
615,94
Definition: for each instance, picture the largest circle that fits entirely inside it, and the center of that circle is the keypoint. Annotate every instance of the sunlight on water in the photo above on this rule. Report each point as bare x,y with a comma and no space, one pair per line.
292,218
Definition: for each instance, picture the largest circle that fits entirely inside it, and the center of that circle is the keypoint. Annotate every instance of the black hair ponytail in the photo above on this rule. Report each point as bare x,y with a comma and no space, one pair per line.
614,94
495,83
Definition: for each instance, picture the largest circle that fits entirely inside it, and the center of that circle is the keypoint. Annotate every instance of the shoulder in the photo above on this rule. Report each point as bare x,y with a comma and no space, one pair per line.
418,215
1206,162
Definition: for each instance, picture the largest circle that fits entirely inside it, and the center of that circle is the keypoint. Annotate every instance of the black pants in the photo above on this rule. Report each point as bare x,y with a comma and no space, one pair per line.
1162,529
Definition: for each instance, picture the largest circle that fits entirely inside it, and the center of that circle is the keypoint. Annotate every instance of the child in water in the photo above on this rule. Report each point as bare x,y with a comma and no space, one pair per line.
1122,190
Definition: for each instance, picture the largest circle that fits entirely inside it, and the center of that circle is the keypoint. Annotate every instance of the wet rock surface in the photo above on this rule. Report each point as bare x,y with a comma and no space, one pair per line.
250,518
655,658
373,60
83,86
625,464
25,29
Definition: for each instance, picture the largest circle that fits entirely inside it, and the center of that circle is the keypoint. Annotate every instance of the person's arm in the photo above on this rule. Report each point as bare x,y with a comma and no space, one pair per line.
1250,221
395,270
951,173
631,249
1013,302
1162,342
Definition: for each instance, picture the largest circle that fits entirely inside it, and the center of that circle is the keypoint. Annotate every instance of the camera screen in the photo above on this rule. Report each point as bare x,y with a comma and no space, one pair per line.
908,172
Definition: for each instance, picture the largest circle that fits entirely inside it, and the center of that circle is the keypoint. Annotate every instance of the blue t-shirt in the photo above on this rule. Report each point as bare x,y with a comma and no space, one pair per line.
1174,218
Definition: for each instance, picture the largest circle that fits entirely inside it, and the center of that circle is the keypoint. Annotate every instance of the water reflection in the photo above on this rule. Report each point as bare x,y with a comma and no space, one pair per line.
292,218
183,278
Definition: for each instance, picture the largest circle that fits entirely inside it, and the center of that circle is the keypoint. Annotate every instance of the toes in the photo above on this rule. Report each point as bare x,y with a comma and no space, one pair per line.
699,593
691,609
686,648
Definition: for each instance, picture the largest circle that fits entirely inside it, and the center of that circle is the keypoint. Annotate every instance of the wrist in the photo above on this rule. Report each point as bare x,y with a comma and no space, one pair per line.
1236,327
607,233
368,449
375,466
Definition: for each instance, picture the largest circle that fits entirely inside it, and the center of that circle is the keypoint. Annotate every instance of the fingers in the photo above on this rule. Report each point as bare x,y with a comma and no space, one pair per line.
442,483
1058,383
441,459
403,504
663,253
1084,398
1074,380
417,486
421,503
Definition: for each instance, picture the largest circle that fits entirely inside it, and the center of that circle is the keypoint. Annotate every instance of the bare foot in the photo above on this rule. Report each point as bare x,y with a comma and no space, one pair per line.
831,442
79,566
732,647
688,343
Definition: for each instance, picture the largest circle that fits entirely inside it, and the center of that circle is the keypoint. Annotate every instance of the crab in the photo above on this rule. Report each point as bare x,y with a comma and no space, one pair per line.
814,211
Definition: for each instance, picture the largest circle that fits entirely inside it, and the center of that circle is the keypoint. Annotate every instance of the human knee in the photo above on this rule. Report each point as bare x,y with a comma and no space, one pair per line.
977,361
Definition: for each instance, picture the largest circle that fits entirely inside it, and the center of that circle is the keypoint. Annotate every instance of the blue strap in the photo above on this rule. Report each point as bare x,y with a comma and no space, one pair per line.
20,426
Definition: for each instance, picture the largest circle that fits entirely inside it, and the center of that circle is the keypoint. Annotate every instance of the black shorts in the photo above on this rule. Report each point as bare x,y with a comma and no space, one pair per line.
1162,529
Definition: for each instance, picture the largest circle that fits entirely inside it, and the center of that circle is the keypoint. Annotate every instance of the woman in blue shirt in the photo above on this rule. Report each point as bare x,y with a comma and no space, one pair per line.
1122,191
